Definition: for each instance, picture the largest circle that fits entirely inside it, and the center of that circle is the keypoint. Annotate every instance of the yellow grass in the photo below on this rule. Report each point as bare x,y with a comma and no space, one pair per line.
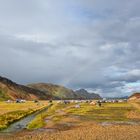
11,112
9,107
51,112
87,131
87,123
109,112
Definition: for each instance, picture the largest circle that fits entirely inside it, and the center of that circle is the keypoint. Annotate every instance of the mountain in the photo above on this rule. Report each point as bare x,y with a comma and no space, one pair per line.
134,97
12,90
41,91
83,94
117,98
57,91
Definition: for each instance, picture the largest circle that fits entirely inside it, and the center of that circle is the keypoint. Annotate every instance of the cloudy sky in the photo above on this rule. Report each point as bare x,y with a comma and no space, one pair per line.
92,44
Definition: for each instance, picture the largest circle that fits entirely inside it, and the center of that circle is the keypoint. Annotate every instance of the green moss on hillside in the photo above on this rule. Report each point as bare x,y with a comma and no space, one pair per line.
3,95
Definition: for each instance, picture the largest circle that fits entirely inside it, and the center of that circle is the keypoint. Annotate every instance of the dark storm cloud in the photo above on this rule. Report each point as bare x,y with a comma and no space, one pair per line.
91,44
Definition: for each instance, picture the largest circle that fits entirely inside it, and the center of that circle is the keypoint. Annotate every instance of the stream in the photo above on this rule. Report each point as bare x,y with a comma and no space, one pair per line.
22,123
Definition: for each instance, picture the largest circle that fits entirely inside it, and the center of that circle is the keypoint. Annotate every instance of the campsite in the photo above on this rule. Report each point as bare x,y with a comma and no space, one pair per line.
61,118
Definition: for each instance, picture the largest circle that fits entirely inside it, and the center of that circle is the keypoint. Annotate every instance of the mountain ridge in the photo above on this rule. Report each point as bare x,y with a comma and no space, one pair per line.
12,90
41,91
87,95
57,91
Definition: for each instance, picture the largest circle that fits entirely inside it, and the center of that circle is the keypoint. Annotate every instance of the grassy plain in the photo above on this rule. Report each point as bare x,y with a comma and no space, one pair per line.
112,121
86,131
51,113
109,112
11,112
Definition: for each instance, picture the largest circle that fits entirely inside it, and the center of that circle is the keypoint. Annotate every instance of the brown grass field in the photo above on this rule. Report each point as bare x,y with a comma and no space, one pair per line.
112,121
87,131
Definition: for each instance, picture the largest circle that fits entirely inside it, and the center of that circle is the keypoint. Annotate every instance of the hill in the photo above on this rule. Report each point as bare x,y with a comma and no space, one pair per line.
83,94
12,90
135,97
41,91
57,91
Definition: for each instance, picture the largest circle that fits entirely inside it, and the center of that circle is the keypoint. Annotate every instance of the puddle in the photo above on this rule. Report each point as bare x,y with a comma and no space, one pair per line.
119,123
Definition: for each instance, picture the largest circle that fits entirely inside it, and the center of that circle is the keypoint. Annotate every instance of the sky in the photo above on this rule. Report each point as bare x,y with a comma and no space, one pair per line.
91,44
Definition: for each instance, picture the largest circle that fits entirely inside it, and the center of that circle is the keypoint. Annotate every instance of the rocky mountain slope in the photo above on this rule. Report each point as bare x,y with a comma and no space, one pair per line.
57,91
86,95
41,91
12,90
